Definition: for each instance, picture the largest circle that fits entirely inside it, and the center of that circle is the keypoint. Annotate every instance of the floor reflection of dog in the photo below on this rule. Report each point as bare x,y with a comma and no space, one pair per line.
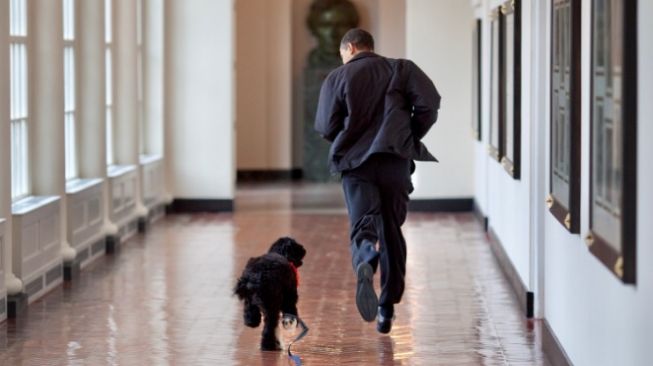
268,285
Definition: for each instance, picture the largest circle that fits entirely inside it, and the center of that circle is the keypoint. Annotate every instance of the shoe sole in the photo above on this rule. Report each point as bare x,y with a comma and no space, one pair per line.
366,299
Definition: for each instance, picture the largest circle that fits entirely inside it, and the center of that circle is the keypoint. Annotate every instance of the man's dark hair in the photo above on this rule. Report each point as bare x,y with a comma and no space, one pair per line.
359,38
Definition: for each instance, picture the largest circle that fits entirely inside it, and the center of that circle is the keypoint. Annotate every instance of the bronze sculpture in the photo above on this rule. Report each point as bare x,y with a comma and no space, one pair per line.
328,21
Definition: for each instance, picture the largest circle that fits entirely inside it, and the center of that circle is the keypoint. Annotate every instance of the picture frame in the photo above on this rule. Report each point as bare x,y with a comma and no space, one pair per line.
510,24
612,236
496,110
565,123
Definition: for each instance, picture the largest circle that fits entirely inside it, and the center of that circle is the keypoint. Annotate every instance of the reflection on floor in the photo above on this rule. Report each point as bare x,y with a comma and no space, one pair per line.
165,298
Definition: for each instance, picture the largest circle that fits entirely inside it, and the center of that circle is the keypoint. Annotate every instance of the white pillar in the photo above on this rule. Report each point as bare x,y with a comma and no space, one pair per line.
153,86
47,141
12,283
91,131
126,137
91,98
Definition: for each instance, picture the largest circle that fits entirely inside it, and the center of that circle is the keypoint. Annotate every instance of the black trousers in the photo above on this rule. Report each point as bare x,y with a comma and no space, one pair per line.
377,198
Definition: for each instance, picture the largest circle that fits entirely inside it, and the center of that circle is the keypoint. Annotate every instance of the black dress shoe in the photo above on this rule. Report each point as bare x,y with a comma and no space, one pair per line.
366,299
384,323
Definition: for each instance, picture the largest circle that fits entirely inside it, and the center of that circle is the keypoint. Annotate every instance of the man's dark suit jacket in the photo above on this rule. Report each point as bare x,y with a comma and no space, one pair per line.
374,104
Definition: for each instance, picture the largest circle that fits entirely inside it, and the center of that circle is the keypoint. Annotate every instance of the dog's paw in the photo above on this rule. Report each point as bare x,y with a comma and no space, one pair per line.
289,321
271,345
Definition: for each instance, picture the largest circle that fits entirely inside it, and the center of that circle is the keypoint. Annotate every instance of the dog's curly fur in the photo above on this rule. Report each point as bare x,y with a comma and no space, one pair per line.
268,285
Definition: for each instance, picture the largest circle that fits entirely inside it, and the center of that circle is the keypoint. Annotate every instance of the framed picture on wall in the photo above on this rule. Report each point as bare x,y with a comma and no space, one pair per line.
510,25
476,81
564,149
613,141
494,140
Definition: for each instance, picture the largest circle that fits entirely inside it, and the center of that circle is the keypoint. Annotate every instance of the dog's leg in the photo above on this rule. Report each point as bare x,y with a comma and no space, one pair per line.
251,314
269,341
289,305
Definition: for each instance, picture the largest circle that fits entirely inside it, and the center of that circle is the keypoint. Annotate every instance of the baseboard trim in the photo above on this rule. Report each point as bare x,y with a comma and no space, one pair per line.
481,216
183,205
525,297
441,205
552,347
273,175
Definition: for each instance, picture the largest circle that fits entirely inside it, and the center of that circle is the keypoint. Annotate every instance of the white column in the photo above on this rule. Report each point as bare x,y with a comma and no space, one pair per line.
91,98
91,131
12,283
126,129
47,141
153,64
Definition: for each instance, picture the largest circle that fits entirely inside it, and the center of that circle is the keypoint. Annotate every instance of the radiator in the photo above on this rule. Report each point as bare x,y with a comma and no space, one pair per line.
152,180
3,288
85,218
36,244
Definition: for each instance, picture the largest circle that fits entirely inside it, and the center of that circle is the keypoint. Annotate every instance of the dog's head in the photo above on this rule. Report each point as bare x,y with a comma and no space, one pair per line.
289,248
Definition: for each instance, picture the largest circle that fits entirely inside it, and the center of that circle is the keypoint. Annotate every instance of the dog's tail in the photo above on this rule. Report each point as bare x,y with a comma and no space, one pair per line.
245,286
241,289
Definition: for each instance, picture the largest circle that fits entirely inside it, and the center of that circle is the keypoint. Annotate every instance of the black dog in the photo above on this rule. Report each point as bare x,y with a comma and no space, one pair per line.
268,285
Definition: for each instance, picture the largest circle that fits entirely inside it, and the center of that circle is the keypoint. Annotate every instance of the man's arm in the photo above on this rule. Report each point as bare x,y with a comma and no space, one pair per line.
330,114
425,100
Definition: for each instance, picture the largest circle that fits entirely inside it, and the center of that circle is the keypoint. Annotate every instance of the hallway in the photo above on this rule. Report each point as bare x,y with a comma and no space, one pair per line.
164,299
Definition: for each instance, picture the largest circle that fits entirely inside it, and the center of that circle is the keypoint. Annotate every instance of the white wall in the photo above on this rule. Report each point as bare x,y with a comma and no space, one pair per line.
264,84
439,40
599,320
200,98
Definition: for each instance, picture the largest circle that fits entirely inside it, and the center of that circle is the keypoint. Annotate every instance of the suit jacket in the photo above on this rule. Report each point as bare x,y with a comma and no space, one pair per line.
375,104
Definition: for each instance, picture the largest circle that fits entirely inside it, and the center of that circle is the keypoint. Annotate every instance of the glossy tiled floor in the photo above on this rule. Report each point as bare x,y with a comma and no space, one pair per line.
165,299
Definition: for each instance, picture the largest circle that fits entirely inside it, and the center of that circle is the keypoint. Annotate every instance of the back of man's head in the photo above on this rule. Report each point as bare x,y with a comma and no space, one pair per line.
359,38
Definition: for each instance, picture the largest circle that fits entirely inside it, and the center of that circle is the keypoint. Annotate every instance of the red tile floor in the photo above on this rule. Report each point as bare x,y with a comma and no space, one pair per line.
165,299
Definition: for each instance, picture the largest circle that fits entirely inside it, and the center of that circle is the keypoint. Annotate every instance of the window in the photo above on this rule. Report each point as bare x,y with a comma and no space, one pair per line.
510,90
108,39
564,177
19,110
476,81
140,74
613,142
69,88
495,113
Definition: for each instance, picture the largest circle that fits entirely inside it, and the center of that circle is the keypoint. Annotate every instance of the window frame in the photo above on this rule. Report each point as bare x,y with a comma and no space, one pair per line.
109,76
140,78
623,262
20,154
567,214
71,173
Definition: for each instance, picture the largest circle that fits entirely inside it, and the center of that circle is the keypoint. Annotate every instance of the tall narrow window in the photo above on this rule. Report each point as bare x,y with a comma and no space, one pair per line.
108,39
19,110
69,88
511,86
564,199
495,77
613,142
140,74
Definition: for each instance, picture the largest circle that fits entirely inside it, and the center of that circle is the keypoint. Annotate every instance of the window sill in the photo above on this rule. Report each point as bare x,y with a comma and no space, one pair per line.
115,171
31,204
150,159
75,186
